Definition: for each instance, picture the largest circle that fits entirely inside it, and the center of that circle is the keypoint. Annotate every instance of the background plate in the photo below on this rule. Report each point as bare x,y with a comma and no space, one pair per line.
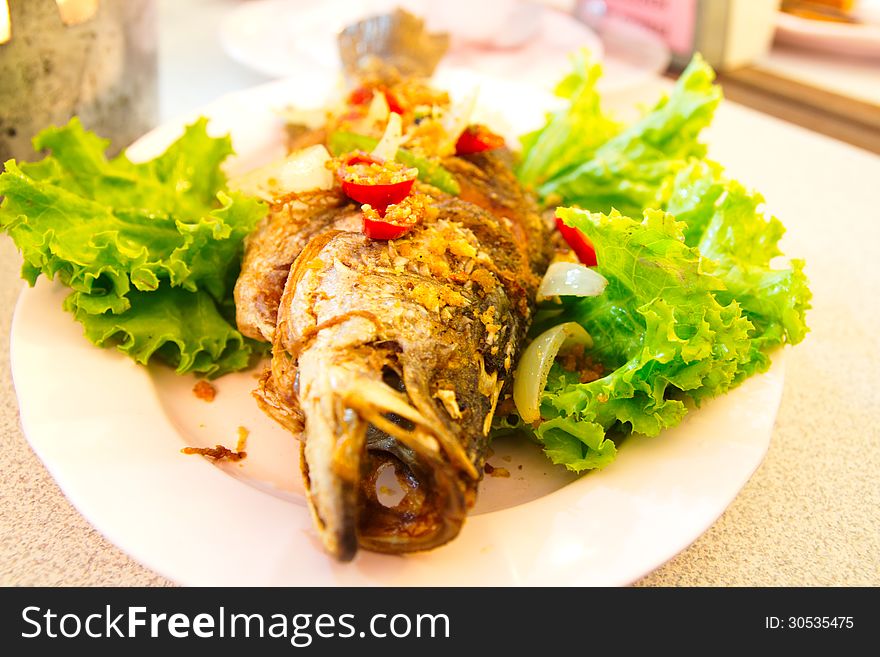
279,38
858,40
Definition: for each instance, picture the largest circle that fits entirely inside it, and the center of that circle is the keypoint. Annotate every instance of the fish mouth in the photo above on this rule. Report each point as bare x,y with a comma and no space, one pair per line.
380,473
408,502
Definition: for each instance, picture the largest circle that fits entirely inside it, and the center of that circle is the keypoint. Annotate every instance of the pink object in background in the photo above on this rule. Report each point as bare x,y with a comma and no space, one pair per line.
673,19
728,33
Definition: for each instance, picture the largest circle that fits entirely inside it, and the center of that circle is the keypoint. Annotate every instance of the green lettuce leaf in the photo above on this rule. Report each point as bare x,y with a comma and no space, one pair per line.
114,230
677,320
571,134
692,306
183,329
659,328
636,168
692,200
730,228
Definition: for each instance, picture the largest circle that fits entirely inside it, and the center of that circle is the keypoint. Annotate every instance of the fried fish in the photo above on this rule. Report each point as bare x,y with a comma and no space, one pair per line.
389,357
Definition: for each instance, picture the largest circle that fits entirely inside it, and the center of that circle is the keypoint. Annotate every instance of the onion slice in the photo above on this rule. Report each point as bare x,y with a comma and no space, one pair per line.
571,279
379,110
458,118
530,377
387,147
301,171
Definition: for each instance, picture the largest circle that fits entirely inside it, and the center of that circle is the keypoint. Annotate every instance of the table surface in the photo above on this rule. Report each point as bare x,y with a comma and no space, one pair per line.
811,513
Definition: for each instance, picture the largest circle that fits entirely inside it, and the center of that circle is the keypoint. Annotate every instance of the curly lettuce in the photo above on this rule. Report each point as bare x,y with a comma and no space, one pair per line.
726,223
149,250
693,305
571,134
635,167
659,327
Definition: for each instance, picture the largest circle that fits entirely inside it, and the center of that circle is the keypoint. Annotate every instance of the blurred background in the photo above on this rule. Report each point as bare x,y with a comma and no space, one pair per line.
126,65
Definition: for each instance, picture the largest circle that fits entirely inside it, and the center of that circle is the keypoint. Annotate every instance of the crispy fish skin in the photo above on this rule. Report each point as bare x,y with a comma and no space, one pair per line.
487,180
271,249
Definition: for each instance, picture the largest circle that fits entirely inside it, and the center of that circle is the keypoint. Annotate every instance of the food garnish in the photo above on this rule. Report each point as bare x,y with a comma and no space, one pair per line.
575,239
569,279
375,181
149,250
243,434
303,171
692,306
534,366
430,172
495,471
394,221
477,139
217,453
365,94
204,390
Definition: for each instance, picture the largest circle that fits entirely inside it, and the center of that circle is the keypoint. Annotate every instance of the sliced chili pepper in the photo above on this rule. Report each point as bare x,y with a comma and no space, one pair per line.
476,139
394,104
398,219
376,182
578,242
364,94
377,228
360,96
430,172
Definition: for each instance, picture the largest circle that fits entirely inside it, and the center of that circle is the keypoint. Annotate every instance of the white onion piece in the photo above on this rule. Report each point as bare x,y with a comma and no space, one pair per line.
459,116
530,377
304,170
379,110
387,147
571,279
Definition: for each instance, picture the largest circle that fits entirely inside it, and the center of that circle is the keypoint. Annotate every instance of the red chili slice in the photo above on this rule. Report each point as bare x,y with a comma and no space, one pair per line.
376,228
360,96
378,183
477,139
578,242
363,95
398,219
394,105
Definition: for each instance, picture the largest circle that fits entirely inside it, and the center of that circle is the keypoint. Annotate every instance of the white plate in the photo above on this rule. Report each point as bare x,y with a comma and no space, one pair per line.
858,40
280,38
110,432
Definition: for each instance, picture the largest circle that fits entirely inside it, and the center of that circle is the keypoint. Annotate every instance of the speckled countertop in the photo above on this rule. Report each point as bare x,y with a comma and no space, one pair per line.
810,515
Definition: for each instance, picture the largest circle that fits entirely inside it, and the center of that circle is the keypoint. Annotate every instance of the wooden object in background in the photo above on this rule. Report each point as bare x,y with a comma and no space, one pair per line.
854,121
